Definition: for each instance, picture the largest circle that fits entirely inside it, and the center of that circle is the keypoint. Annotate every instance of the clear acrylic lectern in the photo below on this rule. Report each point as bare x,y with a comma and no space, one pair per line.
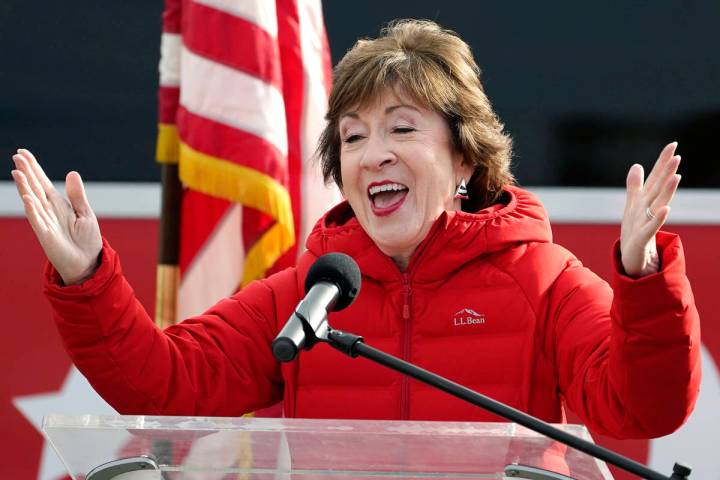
204,448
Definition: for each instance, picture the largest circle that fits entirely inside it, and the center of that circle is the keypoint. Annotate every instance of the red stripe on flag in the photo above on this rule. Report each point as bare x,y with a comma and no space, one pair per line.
200,215
168,101
231,144
232,41
293,93
171,16
255,224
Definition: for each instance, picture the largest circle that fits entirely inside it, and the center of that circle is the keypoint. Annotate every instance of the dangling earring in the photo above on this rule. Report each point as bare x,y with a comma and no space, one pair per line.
461,192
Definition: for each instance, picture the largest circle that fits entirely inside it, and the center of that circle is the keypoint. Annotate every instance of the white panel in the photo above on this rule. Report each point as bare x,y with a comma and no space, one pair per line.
316,197
606,205
233,98
695,443
170,45
260,12
216,270
564,205
108,200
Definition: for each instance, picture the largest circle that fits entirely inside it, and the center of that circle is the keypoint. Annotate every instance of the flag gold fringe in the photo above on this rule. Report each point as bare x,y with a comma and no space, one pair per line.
263,254
167,149
217,177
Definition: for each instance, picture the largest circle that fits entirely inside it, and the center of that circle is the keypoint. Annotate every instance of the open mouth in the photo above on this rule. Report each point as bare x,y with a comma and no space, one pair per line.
386,197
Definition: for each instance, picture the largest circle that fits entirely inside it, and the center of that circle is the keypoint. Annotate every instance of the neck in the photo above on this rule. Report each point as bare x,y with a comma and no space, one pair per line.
401,261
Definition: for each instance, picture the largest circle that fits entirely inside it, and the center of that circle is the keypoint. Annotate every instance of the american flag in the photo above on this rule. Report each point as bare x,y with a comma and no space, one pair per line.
243,92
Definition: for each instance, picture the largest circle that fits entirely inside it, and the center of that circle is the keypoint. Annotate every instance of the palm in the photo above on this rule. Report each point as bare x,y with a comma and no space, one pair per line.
646,209
67,230
69,237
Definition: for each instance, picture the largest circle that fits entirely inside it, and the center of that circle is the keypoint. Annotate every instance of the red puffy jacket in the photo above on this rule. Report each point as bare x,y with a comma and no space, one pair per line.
487,300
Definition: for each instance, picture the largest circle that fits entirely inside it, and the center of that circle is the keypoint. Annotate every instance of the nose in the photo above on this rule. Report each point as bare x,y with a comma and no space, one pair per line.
377,153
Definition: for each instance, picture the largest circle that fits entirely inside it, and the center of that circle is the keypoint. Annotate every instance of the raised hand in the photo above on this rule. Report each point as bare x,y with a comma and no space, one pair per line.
646,208
67,230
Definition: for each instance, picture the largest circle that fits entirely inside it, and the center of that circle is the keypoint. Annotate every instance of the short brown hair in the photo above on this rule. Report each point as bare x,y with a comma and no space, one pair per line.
436,68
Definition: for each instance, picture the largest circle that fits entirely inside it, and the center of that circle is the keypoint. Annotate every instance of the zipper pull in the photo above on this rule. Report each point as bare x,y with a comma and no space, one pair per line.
406,296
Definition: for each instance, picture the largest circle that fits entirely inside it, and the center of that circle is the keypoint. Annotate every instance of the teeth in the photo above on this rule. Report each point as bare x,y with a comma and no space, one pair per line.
386,188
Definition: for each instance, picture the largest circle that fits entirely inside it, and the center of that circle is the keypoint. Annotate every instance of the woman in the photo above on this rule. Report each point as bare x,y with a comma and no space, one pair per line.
460,276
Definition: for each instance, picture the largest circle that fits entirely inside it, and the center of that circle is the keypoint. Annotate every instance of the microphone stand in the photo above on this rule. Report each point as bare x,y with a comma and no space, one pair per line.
354,346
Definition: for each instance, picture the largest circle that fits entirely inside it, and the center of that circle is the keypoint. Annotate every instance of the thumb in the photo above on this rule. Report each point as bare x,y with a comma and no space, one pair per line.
76,194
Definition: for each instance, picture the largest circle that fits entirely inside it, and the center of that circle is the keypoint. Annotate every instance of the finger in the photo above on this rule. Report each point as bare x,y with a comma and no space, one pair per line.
37,169
34,217
76,194
54,202
28,196
650,229
24,166
25,191
668,192
21,183
665,155
634,184
664,176
23,186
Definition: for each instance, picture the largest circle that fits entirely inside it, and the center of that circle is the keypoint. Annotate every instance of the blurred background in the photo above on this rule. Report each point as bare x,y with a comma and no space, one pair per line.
585,89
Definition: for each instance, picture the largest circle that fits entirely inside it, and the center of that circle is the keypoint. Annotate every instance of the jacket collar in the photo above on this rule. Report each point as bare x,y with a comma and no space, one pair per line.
454,239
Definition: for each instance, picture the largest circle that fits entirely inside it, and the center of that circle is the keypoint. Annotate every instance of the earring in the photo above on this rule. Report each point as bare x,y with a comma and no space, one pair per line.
461,192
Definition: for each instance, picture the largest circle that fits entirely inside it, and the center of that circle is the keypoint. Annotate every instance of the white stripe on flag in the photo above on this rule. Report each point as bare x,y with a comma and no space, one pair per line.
216,270
316,197
262,13
169,65
233,98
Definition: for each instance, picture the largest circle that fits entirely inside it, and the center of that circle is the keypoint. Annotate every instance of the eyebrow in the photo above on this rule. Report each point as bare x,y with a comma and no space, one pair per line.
389,109
402,105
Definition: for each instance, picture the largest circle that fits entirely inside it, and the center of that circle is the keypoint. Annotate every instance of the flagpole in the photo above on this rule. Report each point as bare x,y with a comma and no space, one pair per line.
167,154
168,270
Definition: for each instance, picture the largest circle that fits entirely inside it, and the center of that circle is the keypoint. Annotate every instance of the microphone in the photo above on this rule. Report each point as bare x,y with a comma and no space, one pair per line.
332,283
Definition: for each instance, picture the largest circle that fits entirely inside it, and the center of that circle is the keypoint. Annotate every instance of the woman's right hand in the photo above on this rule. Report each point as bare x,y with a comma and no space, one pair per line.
67,230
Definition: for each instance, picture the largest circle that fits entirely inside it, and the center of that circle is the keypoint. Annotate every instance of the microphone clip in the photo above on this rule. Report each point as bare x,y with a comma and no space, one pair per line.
312,312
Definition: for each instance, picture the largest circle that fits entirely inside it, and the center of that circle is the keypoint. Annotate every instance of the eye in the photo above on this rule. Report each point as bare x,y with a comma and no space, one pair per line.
403,129
352,138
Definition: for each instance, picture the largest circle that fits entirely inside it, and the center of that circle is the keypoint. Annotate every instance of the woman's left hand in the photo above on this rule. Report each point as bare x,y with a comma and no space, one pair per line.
647,206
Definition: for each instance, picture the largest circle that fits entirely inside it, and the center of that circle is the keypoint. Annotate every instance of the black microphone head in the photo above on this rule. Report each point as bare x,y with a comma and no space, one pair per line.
339,269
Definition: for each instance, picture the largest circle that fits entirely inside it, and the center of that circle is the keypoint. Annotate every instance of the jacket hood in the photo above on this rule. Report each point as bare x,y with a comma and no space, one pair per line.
454,239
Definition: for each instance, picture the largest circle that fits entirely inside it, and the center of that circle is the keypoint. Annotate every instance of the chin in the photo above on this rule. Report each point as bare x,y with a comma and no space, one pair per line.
396,240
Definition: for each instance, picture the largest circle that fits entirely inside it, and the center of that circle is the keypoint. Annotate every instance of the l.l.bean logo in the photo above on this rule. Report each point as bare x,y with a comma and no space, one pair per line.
468,316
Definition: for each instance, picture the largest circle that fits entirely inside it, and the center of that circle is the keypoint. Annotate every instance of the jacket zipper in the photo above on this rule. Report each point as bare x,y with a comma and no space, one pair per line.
406,344
406,327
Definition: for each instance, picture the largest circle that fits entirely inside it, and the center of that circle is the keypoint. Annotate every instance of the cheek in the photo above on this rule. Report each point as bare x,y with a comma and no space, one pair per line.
349,176
345,170
438,188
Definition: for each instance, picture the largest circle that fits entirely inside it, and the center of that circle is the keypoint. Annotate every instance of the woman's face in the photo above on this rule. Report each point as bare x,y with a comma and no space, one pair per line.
399,171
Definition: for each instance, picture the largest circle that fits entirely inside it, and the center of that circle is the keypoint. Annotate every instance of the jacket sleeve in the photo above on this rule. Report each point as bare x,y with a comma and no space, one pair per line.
216,364
628,359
